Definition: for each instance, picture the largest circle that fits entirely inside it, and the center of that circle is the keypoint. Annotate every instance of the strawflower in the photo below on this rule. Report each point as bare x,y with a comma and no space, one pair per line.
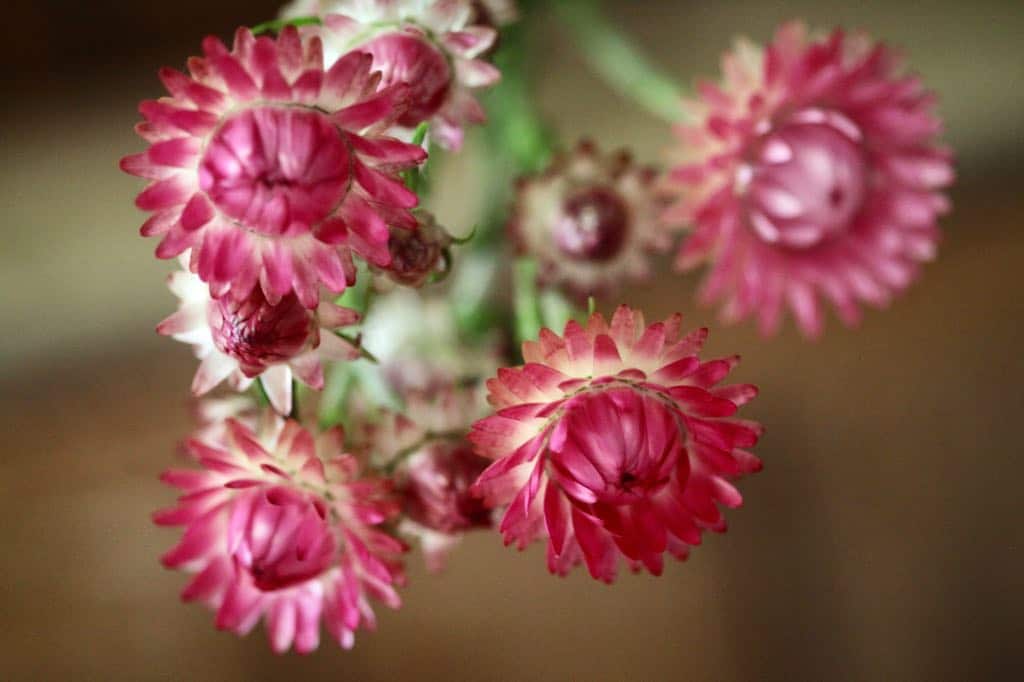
273,170
613,440
280,526
239,341
813,170
590,220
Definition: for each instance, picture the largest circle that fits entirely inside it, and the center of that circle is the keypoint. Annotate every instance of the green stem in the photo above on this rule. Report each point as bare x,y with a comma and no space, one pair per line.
526,302
620,62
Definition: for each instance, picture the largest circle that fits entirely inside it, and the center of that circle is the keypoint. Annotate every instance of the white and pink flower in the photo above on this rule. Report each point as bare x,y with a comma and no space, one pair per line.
432,46
590,220
615,439
239,341
273,170
812,171
281,526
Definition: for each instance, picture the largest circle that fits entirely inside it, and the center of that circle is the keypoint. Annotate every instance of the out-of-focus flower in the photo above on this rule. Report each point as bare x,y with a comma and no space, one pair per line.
615,439
814,169
242,340
280,526
496,12
430,45
418,254
433,465
434,485
273,170
590,220
417,342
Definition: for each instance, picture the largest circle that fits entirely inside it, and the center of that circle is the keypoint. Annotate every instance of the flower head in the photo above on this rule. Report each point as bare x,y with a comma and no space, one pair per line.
431,46
417,255
240,340
615,439
433,464
273,170
814,170
590,219
280,526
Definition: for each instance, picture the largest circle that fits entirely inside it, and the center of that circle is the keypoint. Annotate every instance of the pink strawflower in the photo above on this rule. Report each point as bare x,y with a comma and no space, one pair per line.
433,464
280,526
615,439
273,170
814,169
242,340
590,220
434,486
430,45
419,254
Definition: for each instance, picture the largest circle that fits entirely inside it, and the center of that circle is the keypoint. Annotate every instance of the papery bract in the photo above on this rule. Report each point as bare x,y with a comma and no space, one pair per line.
281,527
812,171
242,340
590,220
432,46
273,170
615,438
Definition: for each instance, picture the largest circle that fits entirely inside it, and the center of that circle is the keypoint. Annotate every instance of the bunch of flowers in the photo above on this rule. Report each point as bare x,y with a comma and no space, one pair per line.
368,409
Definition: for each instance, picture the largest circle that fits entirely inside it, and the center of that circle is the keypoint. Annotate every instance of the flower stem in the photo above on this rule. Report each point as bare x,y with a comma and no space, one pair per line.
618,60
526,302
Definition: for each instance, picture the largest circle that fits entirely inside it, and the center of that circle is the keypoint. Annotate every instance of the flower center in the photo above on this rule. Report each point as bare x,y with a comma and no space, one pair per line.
618,445
593,225
408,57
276,170
258,334
807,180
280,538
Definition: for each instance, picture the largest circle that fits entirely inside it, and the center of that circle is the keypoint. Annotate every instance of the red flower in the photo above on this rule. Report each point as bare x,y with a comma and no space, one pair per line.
615,439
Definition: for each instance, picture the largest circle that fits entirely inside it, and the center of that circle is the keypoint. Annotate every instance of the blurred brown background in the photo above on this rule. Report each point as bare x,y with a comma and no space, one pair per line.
882,541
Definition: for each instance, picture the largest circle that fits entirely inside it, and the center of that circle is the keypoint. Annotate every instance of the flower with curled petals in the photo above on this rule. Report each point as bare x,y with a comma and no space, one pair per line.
242,340
812,171
432,46
590,220
280,526
615,439
273,170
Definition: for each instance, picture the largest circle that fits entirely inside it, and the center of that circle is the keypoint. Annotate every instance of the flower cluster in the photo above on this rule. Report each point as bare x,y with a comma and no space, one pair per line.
286,174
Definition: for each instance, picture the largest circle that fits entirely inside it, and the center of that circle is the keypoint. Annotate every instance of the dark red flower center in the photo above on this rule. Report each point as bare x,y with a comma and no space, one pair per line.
258,334
807,180
618,446
276,170
408,57
593,225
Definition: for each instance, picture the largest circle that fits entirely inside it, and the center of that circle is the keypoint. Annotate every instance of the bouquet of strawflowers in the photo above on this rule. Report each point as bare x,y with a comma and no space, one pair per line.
366,408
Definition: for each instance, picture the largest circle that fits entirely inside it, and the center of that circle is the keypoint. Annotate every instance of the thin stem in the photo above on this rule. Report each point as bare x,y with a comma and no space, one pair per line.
526,302
618,60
